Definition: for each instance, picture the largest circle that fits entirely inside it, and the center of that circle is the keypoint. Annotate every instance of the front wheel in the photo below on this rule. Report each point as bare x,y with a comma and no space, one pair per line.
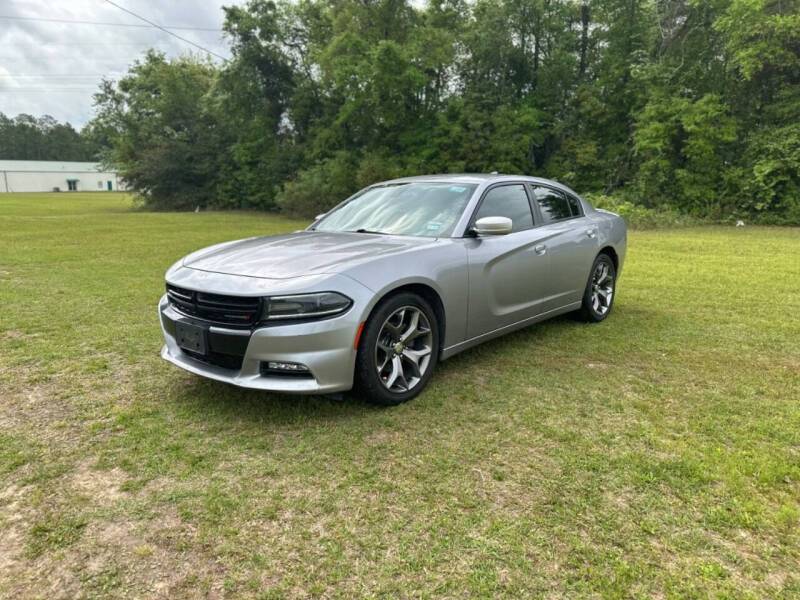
398,350
599,294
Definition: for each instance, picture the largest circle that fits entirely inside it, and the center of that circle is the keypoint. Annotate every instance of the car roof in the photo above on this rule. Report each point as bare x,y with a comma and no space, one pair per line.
474,178
479,178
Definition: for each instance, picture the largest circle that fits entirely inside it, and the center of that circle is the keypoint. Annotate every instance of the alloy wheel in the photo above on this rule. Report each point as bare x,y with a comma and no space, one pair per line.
404,347
602,288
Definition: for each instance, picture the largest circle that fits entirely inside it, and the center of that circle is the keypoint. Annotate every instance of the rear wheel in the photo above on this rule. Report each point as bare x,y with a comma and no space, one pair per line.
598,297
398,350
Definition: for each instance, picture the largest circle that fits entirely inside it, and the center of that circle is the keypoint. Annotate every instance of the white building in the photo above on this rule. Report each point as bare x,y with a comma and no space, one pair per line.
54,175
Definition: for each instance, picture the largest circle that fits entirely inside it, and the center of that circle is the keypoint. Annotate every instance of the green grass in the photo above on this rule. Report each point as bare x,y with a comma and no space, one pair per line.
654,455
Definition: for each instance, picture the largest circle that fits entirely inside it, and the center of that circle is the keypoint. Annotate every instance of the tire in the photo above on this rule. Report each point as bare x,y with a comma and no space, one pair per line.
382,375
596,305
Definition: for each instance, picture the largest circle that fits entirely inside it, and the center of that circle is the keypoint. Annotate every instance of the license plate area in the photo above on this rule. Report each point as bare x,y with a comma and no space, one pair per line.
191,337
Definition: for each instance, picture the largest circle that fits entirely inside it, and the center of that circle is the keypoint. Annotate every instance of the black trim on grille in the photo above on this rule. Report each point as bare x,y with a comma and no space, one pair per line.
236,311
226,361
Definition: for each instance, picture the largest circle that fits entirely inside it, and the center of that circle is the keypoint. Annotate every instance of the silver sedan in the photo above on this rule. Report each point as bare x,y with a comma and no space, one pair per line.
403,274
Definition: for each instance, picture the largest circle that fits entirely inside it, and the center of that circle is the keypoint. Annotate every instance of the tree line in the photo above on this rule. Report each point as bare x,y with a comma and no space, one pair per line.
25,137
684,105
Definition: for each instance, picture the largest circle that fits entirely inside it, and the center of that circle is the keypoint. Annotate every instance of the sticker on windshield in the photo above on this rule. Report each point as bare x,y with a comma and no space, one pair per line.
457,189
434,226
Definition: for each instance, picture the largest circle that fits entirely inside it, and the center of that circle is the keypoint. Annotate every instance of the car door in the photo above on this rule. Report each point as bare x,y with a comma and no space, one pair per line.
571,243
507,273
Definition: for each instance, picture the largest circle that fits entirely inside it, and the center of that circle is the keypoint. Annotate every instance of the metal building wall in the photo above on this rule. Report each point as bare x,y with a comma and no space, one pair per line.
44,175
43,181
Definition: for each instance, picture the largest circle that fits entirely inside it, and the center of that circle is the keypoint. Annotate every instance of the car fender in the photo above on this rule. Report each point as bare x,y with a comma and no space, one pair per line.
442,268
612,231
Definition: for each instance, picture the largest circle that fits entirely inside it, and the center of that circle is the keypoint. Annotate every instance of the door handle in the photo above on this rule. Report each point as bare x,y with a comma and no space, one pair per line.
591,232
540,249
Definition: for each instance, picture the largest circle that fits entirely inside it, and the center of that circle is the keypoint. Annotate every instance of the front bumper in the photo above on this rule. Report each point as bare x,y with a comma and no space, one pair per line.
325,346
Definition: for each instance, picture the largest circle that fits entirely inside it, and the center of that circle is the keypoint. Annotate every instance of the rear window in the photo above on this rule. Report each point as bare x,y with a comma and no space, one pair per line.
552,204
575,205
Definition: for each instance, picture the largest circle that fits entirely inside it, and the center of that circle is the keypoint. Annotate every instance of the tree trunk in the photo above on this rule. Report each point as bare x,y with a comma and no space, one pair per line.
585,18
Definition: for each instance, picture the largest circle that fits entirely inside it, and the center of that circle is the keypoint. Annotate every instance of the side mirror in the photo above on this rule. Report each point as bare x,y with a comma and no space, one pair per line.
319,216
493,226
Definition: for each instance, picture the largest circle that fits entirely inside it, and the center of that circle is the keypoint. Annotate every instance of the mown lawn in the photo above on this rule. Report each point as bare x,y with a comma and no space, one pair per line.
654,455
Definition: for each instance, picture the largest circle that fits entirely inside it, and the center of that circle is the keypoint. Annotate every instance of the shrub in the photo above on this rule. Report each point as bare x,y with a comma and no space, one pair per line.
641,217
319,188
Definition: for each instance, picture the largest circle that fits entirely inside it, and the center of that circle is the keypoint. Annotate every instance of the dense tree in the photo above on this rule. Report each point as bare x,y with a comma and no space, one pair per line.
27,138
165,131
762,40
682,104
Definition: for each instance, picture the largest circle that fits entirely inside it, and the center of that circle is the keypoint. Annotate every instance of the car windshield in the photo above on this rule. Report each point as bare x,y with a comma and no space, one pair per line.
420,209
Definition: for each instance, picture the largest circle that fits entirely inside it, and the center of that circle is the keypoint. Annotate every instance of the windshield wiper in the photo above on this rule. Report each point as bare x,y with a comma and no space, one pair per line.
369,231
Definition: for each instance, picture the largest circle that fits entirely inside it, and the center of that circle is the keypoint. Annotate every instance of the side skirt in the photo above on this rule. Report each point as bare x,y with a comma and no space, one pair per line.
485,337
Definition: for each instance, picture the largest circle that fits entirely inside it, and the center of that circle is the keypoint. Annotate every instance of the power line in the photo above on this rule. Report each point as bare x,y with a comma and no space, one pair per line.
47,90
50,75
73,22
166,30
39,45
47,85
104,58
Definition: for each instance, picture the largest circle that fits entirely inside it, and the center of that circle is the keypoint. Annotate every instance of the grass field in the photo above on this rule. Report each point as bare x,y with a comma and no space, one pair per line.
654,455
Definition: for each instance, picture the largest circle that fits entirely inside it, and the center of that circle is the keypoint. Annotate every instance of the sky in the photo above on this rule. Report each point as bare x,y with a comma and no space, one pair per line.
54,68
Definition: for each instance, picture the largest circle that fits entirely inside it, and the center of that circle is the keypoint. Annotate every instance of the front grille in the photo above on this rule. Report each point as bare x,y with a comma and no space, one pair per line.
229,310
226,361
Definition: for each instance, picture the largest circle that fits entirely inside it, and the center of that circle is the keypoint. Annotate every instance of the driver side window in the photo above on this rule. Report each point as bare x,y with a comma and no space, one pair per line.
507,201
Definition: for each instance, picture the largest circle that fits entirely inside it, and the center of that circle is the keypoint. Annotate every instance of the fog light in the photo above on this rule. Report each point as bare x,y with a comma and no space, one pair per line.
286,366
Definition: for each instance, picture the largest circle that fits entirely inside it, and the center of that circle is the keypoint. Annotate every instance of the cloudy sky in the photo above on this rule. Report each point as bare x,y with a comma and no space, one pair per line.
53,67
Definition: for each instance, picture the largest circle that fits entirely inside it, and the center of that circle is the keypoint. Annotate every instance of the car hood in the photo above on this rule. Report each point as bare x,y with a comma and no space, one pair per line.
300,253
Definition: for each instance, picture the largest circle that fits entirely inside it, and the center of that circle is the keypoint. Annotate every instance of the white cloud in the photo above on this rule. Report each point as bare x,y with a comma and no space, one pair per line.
54,68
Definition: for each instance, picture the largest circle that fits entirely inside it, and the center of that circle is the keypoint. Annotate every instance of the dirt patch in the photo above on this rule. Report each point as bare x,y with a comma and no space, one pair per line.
102,487
48,406
13,527
596,365
380,437
21,508
36,408
160,556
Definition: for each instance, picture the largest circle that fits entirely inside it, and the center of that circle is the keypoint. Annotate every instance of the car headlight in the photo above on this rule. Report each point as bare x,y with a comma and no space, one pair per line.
305,306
